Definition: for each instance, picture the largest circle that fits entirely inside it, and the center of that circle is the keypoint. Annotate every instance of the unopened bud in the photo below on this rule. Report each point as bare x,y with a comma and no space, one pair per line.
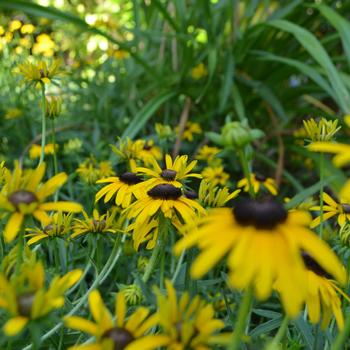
53,106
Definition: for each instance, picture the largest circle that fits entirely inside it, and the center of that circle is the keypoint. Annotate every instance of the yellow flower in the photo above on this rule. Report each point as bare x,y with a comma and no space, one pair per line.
35,150
215,175
121,333
332,208
90,170
26,298
27,28
123,188
13,113
163,130
174,173
324,130
214,196
149,152
208,154
39,72
15,25
25,42
263,243
258,181
120,54
44,45
3,173
341,151
97,224
72,146
24,194
322,295
58,227
2,30
199,71
189,131
188,322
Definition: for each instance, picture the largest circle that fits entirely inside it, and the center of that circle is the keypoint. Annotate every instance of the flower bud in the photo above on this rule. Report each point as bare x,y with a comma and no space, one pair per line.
53,106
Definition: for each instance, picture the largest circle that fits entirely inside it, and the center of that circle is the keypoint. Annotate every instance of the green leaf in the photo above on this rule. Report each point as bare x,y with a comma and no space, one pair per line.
320,55
142,117
228,81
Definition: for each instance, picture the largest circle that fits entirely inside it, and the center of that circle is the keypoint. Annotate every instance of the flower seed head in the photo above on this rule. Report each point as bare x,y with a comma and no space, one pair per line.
120,336
165,191
130,178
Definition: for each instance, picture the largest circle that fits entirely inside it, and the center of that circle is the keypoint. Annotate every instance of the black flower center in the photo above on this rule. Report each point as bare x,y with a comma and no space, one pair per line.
99,225
168,174
25,302
191,194
314,266
147,146
260,178
120,336
262,215
346,208
165,191
130,178
22,197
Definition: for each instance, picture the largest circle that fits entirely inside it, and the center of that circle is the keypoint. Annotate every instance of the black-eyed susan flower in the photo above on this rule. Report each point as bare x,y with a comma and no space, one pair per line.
35,150
98,223
257,181
127,333
215,175
263,243
122,189
148,152
188,323
174,172
332,208
213,197
322,130
341,151
208,154
189,131
25,297
59,226
24,194
90,170
39,72
323,301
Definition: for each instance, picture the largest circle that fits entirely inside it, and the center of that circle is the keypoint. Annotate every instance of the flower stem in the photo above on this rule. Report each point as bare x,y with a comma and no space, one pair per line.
240,325
279,335
342,336
55,166
321,192
246,171
43,123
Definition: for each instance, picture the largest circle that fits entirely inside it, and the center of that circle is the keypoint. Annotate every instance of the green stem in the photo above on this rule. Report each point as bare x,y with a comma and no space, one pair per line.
55,166
20,252
321,192
241,322
178,267
246,171
157,249
342,336
279,335
43,123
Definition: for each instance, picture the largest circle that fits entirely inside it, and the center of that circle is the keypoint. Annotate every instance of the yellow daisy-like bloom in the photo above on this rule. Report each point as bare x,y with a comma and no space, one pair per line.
97,224
59,226
323,130
123,189
15,25
122,333
13,113
90,170
24,194
215,175
199,71
189,131
330,209
263,243
174,173
188,323
149,152
39,72
341,151
35,150
208,154
322,295
258,181
25,297
214,196
44,45
27,28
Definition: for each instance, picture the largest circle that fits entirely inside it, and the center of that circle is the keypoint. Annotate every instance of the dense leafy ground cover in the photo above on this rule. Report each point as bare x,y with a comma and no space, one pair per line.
174,174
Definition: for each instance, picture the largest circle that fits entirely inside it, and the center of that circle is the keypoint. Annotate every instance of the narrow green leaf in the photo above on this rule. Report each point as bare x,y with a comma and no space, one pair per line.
142,117
227,83
320,55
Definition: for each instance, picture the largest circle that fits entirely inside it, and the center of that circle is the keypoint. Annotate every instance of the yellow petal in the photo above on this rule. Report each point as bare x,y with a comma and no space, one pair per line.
13,226
81,324
15,325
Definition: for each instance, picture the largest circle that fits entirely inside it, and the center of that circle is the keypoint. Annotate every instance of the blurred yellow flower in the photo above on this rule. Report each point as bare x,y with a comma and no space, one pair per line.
35,150
27,28
257,181
15,25
13,113
189,131
341,151
44,45
215,175
199,71
323,130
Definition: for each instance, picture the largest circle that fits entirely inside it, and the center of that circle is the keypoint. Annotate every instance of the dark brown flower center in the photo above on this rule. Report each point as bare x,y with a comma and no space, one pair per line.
312,265
99,225
346,208
22,197
24,303
165,191
147,146
53,228
262,215
191,194
120,336
130,178
260,178
168,174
